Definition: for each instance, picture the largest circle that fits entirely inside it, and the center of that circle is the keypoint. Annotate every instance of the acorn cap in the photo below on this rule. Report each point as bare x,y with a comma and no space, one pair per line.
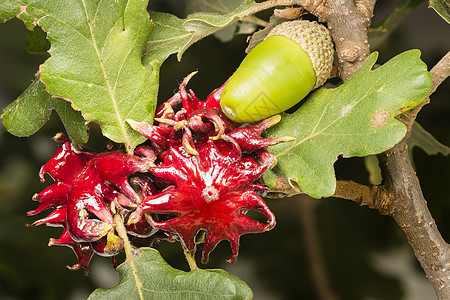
315,40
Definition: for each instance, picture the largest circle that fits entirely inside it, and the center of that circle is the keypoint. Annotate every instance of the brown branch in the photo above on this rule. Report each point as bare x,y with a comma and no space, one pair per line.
308,225
366,7
375,197
315,7
401,197
288,13
408,206
348,23
267,5
409,209
440,72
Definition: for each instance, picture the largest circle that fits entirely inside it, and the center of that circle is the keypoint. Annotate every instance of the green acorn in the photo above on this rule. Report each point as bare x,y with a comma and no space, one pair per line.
295,57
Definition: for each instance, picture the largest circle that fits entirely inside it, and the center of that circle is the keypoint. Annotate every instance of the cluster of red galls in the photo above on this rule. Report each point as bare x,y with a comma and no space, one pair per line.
198,172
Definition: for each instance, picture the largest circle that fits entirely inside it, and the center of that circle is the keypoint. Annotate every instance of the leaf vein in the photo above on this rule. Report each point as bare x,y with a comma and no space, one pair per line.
369,91
108,84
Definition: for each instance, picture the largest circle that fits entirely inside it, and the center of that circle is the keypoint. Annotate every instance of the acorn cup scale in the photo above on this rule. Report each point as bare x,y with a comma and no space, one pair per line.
279,72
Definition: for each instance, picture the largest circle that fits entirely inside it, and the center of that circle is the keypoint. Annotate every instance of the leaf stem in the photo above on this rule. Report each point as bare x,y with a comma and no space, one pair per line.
121,230
190,257
256,21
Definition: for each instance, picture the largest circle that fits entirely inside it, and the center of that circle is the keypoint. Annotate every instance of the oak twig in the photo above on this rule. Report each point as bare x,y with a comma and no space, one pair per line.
348,22
374,197
400,195
190,258
408,206
409,209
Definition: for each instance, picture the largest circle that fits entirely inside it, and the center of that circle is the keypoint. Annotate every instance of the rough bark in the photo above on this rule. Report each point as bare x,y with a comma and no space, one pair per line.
400,195
408,207
348,25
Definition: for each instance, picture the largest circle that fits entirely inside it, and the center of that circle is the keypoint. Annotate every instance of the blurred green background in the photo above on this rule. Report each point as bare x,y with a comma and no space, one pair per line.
366,254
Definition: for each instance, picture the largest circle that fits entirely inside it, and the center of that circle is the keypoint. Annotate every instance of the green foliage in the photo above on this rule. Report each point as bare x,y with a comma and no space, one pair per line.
442,7
260,35
373,168
8,9
105,60
158,280
223,7
219,6
424,140
174,35
36,41
355,119
32,109
96,60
